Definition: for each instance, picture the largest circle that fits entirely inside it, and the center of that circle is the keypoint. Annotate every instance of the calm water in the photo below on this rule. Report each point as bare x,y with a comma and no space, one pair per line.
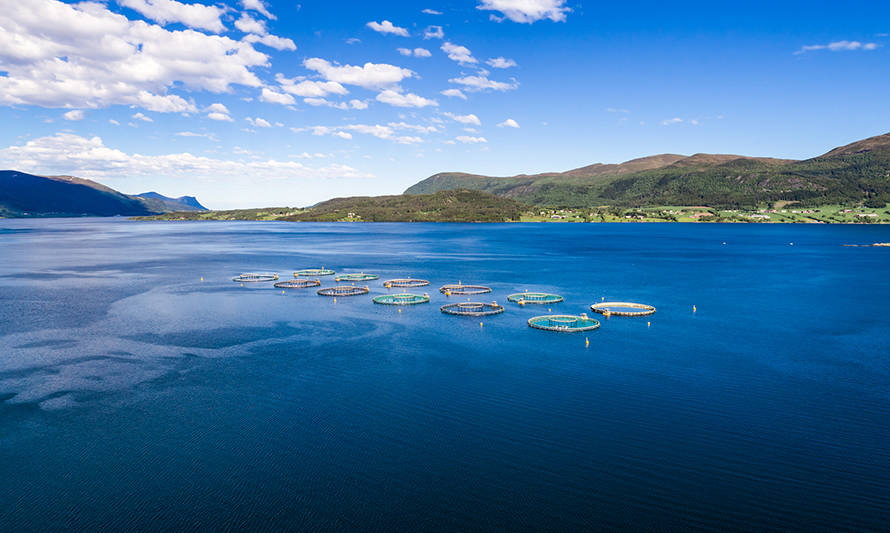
133,395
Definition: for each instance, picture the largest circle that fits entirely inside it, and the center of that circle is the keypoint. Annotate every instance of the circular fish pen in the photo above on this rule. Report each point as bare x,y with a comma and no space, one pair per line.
401,299
472,309
298,284
254,277
343,291
534,298
405,282
313,272
622,309
564,323
463,290
356,277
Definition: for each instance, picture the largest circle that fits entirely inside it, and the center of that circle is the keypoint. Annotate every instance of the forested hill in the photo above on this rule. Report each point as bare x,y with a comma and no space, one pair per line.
855,173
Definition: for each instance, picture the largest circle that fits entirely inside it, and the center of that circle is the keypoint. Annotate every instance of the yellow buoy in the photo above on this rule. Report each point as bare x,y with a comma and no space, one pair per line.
548,310
202,278
480,324
335,300
604,299
282,292
648,324
400,310
693,308
242,284
586,342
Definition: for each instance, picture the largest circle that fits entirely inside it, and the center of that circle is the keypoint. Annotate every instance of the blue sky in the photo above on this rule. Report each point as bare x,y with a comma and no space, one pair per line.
248,103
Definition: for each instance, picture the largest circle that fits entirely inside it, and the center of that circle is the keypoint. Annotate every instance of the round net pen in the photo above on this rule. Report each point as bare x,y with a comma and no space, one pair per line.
343,291
298,284
313,273
405,283
463,290
472,309
356,277
401,299
534,298
564,323
254,277
622,309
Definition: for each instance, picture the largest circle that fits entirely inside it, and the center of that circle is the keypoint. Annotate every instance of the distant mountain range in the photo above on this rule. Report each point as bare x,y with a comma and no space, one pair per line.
855,173
27,195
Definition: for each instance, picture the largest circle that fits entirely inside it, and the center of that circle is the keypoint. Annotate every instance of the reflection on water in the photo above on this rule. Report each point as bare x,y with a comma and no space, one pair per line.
135,395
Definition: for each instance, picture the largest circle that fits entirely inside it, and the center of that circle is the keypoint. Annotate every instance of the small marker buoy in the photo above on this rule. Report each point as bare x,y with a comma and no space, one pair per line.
480,324
335,300
282,292
400,310
648,324
548,310
242,284
202,278
693,308
604,299
586,342
790,244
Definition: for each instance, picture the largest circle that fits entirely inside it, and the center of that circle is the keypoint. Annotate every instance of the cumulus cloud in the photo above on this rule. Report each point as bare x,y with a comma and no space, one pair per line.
89,157
166,11
456,93
309,88
143,118
271,97
433,32
464,119
668,122
248,24
526,11
358,104
387,27
258,122
369,76
466,139
84,56
417,52
399,99
482,83
259,6
500,62
509,123
74,115
838,46
377,130
272,41
458,53
431,12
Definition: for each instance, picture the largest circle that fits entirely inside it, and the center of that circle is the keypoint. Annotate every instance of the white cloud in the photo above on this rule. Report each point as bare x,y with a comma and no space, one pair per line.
76,114
114,122
509,123
343,135
387,27
838,46
526,11
482,83
217,108
317,102
500,62
258,122
417,52
84,56
166,11
309,88
617,110
369,76
222,117
259,6
272,41
399,99
209,136
464,119
431,12
272,97
466,139
143,118
353,40
458,53
248,24
72,154
457,93
433,32
376,130
413,127
668,122
358,104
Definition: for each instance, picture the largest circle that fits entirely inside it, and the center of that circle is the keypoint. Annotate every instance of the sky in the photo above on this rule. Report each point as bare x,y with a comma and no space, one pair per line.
252,103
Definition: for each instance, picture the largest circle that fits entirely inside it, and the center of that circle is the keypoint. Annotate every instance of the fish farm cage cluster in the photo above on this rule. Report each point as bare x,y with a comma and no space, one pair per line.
552,322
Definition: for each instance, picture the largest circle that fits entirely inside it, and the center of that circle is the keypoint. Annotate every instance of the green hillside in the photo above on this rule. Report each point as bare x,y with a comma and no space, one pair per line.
443,206
856,173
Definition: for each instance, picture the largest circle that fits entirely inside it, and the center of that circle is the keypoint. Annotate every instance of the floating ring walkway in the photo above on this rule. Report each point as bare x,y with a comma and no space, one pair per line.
463,290
254,277
356,277
523,298
313,272
622,309
473,309
401,299
298,284
405,282
564,323
343,291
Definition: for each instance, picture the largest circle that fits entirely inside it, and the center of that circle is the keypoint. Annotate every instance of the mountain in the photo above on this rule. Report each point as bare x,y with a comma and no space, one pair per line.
27,195
162,203
858,172
443,206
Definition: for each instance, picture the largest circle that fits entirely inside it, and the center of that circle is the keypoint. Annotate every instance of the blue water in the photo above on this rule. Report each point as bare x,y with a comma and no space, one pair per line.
135,396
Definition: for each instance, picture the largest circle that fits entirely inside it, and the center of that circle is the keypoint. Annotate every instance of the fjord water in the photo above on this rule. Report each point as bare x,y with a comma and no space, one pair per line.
134,395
